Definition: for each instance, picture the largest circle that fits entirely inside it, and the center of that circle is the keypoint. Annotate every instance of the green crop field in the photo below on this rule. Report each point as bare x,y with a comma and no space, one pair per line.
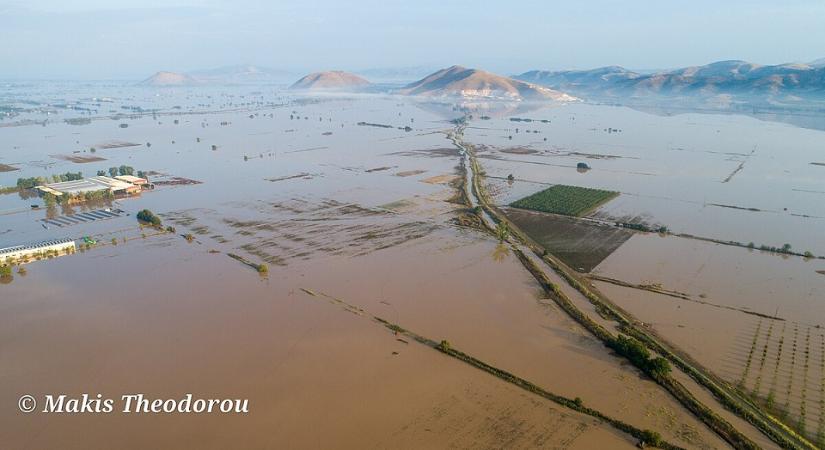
568,200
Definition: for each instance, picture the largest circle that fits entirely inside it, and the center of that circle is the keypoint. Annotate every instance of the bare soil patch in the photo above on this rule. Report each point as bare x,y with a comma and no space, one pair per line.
519,151
116,144
79,159
175,181
449,152
409,173
440,179
581,245
290,177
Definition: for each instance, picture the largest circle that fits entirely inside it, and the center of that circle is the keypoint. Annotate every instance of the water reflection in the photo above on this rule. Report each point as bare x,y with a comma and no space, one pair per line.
451,109
500,253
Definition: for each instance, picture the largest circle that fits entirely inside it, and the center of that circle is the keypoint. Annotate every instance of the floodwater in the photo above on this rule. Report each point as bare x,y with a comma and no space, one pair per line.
690,172
358,213
717,323
722,177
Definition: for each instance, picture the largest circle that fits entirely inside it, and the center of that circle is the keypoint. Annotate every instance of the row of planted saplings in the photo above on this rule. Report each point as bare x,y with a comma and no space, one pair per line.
795,359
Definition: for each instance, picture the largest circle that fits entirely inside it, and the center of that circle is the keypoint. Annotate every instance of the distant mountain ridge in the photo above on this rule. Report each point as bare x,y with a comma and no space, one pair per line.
458,81
244,73
239,74
817,63
736,78
330,80
164,78
396,74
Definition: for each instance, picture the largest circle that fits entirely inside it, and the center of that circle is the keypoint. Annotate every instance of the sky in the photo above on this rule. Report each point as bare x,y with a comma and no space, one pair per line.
131,39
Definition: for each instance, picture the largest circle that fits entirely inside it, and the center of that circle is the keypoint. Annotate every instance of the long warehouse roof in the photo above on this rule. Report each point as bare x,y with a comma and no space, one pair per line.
90,184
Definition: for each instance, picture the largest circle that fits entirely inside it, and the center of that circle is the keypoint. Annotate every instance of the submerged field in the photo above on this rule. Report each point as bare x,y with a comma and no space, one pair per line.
359,223
581,245
692,251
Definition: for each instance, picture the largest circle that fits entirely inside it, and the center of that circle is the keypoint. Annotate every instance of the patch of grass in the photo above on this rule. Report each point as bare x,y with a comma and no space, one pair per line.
567,200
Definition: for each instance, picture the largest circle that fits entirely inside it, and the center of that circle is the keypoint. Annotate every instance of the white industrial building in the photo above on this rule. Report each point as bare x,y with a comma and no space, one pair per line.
21,252
91,184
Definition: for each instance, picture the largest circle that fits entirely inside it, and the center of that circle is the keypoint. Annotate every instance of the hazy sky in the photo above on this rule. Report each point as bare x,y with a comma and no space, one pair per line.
103,39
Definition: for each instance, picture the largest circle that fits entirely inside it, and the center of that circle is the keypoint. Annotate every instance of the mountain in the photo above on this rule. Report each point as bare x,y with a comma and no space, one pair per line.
333,80
582,81
169,79
396,74
817,63
740,80
457,81
241,74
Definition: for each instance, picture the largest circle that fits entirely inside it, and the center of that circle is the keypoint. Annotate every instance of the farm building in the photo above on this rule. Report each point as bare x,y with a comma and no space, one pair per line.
88,185
137,181
21,252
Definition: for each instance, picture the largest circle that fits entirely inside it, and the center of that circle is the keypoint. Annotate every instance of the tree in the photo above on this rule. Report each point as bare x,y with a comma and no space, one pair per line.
49,199
659,366
147,216
502,231
112,171
639,355
651,438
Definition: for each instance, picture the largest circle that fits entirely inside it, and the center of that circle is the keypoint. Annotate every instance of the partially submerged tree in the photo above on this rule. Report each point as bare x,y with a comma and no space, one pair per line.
502,231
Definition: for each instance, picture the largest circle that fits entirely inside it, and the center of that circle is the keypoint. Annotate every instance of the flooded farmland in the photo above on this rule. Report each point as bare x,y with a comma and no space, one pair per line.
354,206
714,244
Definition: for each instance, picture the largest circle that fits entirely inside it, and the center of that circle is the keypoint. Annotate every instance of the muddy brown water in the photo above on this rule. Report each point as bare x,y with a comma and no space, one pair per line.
718,324
695,175
164,316
304,365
